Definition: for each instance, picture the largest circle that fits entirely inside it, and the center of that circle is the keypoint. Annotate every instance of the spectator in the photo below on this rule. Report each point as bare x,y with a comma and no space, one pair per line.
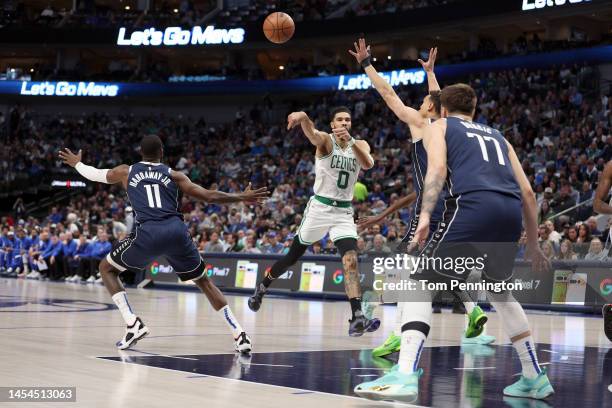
272,246
548,250
69,247
81,251
566,251
214,245
378,245
596,251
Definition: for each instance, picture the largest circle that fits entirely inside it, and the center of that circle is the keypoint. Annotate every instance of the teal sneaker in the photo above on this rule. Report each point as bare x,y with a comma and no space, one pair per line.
538,388
477,320
369,302
483,340
392,386
391,345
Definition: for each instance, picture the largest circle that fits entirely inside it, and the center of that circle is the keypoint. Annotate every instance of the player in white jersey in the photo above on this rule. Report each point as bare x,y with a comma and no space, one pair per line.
339,158
601,207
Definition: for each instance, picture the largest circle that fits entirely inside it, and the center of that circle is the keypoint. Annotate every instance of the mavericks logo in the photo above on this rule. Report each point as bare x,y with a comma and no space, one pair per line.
605,287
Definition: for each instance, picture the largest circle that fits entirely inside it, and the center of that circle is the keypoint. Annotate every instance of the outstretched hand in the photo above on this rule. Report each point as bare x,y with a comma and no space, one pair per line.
294,119
365,222
259,196
70,158
428,65
362,51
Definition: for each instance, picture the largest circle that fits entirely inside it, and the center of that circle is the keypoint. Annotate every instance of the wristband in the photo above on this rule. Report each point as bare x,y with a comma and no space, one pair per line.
367,61
352,142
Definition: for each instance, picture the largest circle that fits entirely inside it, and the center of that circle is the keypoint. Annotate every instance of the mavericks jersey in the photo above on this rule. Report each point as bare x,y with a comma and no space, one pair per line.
152,193
336,173
419,170
477,159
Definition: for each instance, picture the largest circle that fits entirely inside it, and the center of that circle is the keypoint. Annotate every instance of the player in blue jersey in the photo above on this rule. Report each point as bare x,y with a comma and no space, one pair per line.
417,120
486,192
153,191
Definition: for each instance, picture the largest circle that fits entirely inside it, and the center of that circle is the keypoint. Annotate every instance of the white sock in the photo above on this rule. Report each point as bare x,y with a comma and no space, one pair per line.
469,307
410,353
417,322
120,299
516,324
228,317
525,348
397,330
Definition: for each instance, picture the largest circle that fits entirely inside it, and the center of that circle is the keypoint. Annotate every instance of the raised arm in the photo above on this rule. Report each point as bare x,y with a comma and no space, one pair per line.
403,202
428,66
319,139
404,113
115,175
603,189
530,211
191,189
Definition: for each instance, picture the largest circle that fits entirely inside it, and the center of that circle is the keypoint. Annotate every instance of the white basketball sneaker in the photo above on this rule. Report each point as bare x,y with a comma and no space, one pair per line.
133,333
243,343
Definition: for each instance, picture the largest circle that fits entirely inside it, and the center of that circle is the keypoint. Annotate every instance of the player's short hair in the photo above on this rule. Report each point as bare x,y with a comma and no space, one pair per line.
460,98
434,97
150,146
339,109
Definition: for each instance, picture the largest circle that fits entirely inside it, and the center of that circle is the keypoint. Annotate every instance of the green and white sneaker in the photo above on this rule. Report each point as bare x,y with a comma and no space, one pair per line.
483,340
477,320
392,386
391,345
538,388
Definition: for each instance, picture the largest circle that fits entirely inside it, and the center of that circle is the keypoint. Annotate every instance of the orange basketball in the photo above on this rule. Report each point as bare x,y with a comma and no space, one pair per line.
278,27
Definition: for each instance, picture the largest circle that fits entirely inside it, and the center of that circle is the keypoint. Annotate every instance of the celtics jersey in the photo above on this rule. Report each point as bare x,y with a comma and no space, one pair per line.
336,173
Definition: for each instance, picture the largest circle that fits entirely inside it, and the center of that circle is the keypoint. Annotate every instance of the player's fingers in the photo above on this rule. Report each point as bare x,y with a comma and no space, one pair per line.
421,61
353,53
356,46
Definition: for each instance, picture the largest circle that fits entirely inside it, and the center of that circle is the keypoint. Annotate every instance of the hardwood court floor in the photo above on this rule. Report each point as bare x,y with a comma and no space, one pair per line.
57,334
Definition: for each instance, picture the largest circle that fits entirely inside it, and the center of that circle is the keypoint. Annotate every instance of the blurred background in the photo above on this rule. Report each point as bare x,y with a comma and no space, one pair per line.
542,73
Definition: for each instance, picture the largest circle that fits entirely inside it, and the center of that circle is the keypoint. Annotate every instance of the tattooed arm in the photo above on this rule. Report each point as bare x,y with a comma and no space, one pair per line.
435,145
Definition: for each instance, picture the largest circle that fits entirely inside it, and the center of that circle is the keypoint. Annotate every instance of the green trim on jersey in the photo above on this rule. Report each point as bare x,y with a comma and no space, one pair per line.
332,203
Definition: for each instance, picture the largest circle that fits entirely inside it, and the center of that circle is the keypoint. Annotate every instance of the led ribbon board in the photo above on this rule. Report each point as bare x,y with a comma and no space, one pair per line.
172,36
65,88
540,4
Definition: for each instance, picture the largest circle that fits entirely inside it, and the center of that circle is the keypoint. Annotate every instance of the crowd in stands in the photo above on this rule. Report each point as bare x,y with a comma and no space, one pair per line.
557,120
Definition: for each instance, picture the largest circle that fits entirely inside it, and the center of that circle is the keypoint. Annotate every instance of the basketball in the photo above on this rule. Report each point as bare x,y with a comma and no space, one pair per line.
279,27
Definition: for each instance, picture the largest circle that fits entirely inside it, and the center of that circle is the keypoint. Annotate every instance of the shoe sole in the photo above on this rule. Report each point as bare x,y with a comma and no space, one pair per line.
245,351
135,339
376,396
540,394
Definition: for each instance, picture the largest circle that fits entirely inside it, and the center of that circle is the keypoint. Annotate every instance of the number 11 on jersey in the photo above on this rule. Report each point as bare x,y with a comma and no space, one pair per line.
153,195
